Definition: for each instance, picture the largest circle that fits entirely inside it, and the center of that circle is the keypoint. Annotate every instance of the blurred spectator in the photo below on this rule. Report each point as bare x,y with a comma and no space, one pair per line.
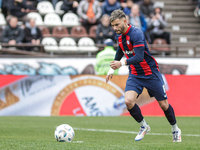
19,9
157,24
32,34
109,6
127,9
104,58
12,34
104,30
52,1
127,19
137,19
0,5
3,7
146,7
70,5
197,10
90,12
33,3
123,3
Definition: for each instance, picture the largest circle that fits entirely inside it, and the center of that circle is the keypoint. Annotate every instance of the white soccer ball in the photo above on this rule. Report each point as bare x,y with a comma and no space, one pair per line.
64,133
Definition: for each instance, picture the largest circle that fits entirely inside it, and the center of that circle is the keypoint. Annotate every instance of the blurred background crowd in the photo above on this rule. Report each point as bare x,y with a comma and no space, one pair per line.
66,21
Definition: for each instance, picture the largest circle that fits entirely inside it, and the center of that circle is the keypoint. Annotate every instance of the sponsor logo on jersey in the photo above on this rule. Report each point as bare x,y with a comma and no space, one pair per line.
128,52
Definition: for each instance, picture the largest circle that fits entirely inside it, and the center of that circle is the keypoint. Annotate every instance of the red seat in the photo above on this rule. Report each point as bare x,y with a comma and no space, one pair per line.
92,31
60,32
161,42
45,31
78,32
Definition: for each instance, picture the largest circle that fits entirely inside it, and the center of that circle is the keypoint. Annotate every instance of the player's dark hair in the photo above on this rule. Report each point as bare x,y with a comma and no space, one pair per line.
117,14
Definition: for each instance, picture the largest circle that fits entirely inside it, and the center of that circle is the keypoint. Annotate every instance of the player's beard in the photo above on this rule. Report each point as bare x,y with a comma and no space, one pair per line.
121,30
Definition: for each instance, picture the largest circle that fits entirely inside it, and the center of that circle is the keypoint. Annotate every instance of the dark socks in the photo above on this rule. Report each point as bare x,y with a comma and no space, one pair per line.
169,113
136,113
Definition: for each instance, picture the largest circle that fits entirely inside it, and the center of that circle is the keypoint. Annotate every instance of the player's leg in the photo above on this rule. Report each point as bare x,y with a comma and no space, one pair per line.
156,88
169,113
135,112
132,90
133,108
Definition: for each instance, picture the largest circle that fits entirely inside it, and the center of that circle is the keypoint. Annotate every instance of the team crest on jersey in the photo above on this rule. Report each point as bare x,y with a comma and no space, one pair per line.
128,42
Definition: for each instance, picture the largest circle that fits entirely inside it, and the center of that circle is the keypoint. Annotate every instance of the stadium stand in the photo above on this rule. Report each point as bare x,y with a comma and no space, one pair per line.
2,20
37,17
92,31
78,32
60,32
50,44
162,42
68,45
1,30
45,7
45,31
52,19
58,8
86,44
182,25
70,20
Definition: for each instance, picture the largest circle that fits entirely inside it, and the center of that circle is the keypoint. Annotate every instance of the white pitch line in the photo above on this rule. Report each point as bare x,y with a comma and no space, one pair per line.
130,132
77,142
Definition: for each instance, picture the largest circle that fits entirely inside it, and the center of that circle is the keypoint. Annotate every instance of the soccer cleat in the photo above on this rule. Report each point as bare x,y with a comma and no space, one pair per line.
142,132
176,136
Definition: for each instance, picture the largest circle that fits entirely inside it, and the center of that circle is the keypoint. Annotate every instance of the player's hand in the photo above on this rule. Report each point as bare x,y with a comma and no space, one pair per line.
115,64
110,74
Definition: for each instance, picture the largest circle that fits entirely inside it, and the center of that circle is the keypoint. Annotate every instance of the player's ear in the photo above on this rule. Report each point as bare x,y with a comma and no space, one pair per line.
125,21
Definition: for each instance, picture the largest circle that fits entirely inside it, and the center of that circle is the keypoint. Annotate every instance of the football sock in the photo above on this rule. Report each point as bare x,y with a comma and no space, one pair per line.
169,113
174,127
143,123
136,113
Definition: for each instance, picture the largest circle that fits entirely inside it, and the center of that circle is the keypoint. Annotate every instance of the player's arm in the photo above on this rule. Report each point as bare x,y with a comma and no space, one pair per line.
139,55
138,49
119,54
116,63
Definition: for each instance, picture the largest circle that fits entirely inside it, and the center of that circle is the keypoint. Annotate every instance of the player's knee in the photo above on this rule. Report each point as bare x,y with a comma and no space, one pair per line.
164,106
129,101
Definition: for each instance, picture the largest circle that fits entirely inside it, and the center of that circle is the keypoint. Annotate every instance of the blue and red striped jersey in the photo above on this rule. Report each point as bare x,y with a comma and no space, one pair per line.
133,45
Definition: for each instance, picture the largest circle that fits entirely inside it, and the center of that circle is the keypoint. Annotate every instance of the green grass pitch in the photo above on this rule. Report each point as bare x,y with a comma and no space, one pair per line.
37,133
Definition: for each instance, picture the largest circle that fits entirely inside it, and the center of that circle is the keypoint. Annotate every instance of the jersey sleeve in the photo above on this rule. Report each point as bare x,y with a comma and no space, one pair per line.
119,54
138,41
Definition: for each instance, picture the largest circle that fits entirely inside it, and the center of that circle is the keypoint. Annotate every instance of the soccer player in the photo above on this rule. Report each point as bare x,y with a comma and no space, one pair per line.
143,72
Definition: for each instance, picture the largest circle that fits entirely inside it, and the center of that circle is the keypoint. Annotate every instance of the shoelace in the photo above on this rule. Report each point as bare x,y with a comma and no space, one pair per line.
141,129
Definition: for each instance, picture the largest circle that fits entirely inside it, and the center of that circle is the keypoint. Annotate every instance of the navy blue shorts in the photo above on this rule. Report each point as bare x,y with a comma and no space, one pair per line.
153,83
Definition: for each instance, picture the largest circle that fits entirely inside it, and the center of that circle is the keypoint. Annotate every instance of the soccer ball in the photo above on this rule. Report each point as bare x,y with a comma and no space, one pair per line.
64,133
